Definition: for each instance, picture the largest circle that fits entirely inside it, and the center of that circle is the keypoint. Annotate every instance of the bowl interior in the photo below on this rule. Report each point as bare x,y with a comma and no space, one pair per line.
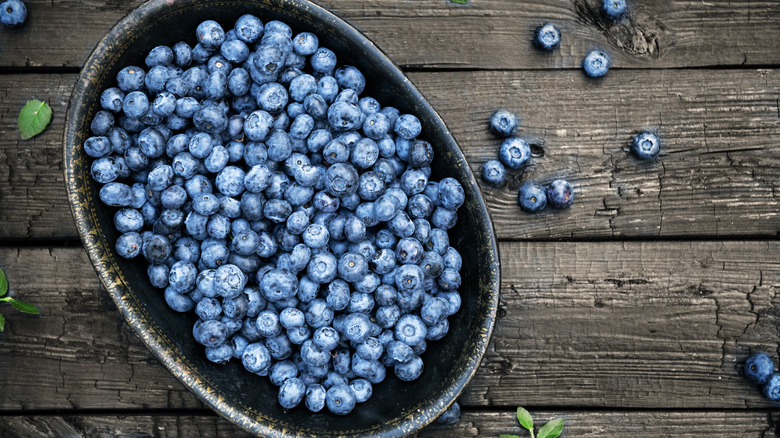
396,408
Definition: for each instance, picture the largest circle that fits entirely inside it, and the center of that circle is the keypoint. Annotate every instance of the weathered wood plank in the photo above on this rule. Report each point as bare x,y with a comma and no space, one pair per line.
483,34
640,424
587,324
32,192
716,176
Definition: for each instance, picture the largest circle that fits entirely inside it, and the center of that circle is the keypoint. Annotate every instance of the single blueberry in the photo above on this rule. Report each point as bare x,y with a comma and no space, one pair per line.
532,198
646,146
560,194
759,368
13,13
503,123
514,152
614,9
548,36
596,64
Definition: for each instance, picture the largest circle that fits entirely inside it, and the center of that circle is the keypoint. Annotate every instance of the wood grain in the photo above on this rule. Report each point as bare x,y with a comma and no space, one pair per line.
485,34
577,423
610,325
715,176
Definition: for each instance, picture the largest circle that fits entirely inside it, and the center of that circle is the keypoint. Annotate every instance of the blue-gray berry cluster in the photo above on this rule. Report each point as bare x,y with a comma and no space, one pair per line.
294,216
760,369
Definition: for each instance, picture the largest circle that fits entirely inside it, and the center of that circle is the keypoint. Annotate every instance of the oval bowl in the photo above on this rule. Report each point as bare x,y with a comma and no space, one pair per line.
397,408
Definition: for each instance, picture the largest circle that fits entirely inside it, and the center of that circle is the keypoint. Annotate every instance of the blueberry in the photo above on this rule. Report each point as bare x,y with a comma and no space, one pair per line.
493,172
771,388
208,309
548,36
323,60
256,358
156,78
129,245
135,104
111,99
560,194
182,276
532,198
229,281
341,180
410,370
503,123
318,313
340,399
349,77
248,28
211,333
13,13
596,64
646,146
410,329
178,302
130,78
105,169
116,194
344,116
613,9
759,368
451,193
210,34
279,284
407,126
514,152
291,393
352,267
362,389
376,126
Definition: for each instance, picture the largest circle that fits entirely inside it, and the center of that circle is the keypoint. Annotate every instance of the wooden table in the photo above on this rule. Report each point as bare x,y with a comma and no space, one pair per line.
629,314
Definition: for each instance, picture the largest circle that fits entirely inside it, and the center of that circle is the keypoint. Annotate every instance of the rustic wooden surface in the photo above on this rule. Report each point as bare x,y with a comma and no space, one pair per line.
628,315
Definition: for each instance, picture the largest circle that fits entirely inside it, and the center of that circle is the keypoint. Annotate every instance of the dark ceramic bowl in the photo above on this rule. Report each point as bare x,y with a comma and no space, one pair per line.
397,408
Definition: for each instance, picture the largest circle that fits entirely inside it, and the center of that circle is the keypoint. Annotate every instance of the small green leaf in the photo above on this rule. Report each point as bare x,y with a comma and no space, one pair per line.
3,283
460,2
2,322
551,429
24,307
33,118
524,417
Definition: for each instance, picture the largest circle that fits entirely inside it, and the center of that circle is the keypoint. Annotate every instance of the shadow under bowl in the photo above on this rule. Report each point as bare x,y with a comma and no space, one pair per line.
397,408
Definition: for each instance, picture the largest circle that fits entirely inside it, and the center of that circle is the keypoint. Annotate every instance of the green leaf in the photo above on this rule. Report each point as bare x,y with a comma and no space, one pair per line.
3,283
24,307
2,322
551,429
524,417
33,118
460,2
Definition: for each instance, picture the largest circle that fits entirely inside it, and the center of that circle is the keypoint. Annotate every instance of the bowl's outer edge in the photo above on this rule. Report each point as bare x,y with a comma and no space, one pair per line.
103,259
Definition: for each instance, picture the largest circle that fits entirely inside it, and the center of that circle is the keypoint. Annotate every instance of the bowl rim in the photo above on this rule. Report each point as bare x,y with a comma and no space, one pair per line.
99,250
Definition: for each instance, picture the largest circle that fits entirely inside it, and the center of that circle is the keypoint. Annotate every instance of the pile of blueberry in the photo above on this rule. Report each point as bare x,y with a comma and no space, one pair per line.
13,13
296,217
514,153
760,369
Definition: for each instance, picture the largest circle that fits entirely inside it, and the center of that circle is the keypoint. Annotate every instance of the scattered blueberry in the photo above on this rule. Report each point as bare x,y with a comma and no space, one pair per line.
646,146
547,37
614,9
759,368
493,172
560,194
514,152
13,13
596,64
532,198
503,123
771,388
